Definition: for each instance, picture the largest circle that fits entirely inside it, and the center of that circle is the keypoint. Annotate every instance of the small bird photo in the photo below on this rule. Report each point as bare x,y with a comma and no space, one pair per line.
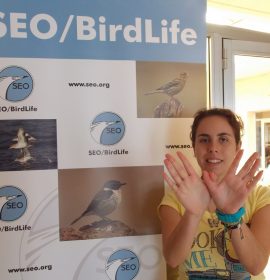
169,89
109,202
28,144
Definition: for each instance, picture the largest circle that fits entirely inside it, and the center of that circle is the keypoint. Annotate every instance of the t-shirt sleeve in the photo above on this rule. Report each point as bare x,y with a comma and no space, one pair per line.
259,198
170,199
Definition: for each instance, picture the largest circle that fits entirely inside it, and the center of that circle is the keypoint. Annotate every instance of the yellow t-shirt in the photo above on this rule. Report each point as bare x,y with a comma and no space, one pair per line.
212,255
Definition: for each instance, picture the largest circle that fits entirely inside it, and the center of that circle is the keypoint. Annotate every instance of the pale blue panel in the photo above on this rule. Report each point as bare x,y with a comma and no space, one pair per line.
31,28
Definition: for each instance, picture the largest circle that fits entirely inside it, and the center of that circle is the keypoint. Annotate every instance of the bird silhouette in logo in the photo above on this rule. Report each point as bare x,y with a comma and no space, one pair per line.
105,201
5,83
98,128
113,266
172,87
4,199
171,108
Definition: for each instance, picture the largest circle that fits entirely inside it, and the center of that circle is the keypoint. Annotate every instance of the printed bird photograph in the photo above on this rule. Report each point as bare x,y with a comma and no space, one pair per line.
109,202
172,87
28,144
23,142
171,108
104,202
168,90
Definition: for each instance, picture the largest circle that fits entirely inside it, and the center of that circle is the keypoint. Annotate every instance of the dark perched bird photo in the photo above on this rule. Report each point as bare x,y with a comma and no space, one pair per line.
109,202
105,201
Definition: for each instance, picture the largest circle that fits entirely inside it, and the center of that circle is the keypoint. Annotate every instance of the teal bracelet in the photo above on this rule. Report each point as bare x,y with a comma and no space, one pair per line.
231,218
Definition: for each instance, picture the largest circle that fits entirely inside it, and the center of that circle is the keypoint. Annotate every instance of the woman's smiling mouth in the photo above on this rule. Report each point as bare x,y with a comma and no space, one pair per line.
213,161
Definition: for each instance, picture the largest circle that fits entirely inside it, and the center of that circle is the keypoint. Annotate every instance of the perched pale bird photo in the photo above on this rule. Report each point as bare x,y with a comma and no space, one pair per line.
172,87
171,108
105,201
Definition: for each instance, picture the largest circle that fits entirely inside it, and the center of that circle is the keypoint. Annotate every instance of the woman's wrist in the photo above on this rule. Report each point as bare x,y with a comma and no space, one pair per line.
231,218
232,221
196,216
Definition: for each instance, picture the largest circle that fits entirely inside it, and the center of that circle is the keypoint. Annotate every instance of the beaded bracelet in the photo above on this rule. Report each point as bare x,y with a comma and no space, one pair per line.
232,221
233,226
230,227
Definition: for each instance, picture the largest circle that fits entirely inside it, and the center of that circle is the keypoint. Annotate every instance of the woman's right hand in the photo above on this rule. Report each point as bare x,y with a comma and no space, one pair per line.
188,187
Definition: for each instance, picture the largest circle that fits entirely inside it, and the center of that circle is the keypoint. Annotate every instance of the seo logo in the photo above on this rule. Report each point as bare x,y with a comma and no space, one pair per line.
16,84
13,203
122,265
107,128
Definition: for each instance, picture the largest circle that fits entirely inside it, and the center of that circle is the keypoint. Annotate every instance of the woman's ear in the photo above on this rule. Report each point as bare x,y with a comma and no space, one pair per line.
239,145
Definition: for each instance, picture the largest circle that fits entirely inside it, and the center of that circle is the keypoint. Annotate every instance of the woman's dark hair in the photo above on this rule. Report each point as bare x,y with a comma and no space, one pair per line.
234,121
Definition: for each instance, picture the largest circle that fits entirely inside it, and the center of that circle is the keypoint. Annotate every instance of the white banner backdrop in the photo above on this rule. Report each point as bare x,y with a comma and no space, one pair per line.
92,95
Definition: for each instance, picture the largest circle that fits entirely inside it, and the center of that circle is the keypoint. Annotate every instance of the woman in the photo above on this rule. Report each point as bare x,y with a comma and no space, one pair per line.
215,225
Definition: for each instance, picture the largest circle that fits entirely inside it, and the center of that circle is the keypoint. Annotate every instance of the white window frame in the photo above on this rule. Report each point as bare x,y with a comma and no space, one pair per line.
215,75
229,50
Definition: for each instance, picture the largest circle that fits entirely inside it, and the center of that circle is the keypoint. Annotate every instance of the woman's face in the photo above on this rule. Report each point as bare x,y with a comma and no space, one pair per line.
215,146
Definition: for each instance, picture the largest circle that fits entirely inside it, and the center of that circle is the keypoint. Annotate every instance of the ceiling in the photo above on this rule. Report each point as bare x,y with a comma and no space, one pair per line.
250,14
259,7
257,66
253,15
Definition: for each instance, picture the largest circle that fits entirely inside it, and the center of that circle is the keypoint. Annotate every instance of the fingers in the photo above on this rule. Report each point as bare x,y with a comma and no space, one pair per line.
209,178
254,181
175,178
252,171
258,177
176,168
189,168
249,169
170,182
235,163
248,175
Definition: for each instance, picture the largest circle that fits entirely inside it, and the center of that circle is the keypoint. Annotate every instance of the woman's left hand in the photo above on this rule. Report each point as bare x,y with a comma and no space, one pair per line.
231,193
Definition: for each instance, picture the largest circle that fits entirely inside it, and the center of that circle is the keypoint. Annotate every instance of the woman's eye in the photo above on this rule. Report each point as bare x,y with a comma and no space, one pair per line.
203,140
223,139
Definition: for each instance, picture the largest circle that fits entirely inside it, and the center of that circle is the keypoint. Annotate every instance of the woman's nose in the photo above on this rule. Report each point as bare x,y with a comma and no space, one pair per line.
213,147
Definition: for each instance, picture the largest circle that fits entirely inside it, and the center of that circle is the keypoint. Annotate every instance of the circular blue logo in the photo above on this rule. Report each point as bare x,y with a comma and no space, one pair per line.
107,128
13,203
122,265
16,84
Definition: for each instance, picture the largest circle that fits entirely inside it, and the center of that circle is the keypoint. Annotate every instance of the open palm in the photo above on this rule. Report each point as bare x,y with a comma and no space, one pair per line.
186,184
231,193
